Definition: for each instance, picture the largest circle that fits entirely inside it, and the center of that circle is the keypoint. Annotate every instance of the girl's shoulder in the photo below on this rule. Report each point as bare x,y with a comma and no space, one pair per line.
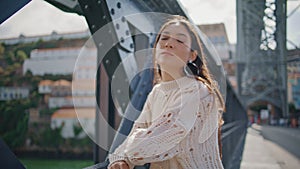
204,89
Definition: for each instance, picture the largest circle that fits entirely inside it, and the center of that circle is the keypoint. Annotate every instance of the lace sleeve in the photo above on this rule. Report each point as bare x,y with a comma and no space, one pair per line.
139,125
208,115
160,141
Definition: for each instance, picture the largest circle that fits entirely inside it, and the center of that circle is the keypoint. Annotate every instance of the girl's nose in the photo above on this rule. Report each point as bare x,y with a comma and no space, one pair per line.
169,44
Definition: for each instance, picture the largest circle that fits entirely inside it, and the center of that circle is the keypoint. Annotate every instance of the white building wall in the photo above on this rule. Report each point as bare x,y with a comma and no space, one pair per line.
55,102
56,66
50,54
45,89
88,101
86,65
88,126
84,101
11,93
63,61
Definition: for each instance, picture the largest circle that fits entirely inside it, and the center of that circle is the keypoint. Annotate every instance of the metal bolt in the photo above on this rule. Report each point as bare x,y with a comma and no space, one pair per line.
119,5
112,11
123,19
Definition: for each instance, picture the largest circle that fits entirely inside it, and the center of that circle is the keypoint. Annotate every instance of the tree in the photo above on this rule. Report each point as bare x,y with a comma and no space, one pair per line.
1,70
292,109
10,57
21,56
14,122
2,50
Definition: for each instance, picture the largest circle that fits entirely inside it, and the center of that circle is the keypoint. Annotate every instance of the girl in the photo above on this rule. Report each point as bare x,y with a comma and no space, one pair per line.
179,124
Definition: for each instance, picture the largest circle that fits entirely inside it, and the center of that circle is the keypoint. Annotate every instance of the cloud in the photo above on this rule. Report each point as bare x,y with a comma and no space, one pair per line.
293,32
38,18
217,11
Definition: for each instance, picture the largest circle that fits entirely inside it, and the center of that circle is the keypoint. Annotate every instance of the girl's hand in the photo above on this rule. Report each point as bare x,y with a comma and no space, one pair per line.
119,165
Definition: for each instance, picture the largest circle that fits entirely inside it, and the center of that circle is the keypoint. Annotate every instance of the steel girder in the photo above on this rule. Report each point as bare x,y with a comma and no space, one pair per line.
261,52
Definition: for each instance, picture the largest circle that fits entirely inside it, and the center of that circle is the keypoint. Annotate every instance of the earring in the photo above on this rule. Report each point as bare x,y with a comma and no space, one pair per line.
191,69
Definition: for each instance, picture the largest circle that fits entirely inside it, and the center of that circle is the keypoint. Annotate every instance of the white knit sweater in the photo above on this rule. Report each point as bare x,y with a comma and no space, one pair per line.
177,129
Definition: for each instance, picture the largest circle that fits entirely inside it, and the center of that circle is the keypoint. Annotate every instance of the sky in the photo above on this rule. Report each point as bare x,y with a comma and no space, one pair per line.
40,18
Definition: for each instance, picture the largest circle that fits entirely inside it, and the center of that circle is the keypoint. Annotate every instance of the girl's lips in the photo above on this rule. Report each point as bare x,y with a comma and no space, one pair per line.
166,53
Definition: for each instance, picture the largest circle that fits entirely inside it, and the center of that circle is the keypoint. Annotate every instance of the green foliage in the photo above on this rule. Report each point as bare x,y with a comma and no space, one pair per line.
21,56
55,164
47,111
51,137
292,108
13,114
2,49
293,111
1,70
14,122
57,77
9,57
47,137
77,130
83,143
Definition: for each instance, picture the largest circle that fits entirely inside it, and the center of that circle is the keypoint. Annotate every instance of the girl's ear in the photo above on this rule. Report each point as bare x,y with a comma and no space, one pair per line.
194,55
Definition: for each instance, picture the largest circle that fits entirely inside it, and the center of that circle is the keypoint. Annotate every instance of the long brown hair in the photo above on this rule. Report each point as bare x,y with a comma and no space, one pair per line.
202,75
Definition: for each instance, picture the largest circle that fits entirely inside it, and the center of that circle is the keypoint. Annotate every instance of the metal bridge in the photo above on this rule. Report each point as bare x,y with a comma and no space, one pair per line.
261,53
261,63
100,13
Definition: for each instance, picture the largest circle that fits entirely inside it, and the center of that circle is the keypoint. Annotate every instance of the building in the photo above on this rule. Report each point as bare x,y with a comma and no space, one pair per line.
61,88
84,79
216,33
56,93
57,61
79,108
69,118
51,37
293,70
12,93
45,86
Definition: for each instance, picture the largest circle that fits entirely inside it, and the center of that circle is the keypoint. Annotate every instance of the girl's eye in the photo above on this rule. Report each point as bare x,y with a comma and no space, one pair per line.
164,38
179,41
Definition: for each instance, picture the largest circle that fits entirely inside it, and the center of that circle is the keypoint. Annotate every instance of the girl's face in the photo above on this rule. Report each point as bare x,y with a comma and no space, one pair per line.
173,49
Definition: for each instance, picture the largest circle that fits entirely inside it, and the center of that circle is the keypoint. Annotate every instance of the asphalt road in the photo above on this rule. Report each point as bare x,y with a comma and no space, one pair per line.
269,147
287,138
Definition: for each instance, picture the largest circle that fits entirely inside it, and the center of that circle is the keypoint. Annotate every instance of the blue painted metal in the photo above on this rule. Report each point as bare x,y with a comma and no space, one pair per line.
8,8
8,159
